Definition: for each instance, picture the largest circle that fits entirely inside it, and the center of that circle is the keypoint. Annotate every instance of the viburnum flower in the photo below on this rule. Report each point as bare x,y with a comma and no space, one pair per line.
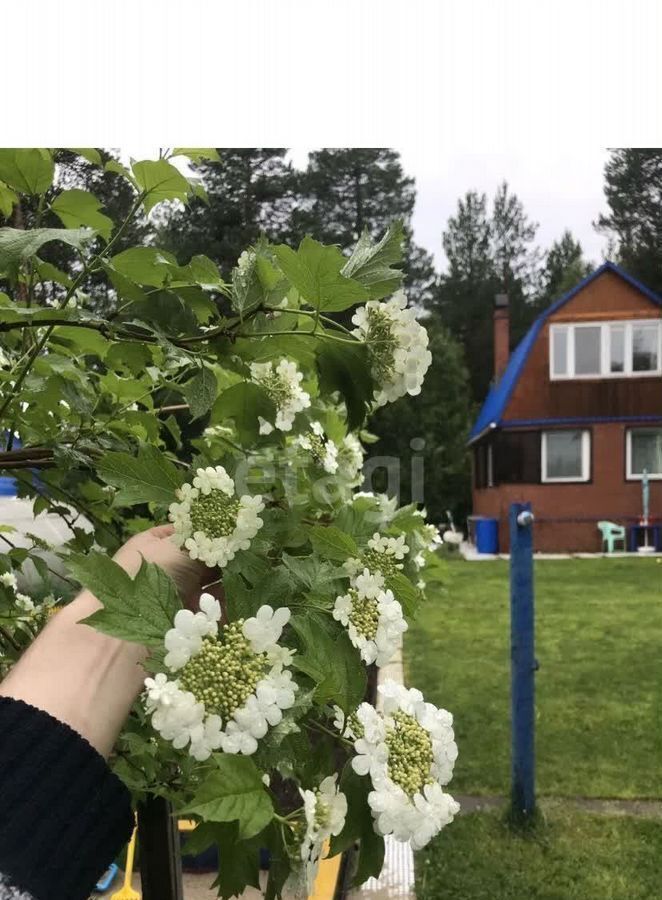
9,580
323,451
382,556
210,521
283,385
231,682
350,460
325,810
408,751
372,616
397,344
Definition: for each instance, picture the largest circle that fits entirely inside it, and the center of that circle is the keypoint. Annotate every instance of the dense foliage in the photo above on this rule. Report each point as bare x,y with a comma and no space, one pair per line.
253,720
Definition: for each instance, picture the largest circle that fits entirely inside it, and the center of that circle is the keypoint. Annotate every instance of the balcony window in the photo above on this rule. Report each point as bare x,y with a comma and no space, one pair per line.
605,350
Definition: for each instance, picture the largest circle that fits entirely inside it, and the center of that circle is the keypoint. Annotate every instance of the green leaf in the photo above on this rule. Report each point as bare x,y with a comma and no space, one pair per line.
243,403
113,165
200,392
370,263
29,171
332,543
331,661
91,154
195,154
48,272
145,478
315,271
241,859
139,610
145,265
233,791
404,592
17,245
204,272
8,200
359,827
345,368
247,292
161,181
75,208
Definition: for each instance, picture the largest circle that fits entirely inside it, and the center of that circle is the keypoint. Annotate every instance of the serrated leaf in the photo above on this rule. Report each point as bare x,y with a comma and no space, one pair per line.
139,610
241,859
233,791
345,368
195,154
145,265
200,392
370,263
17,245
29,171
315,271
408,596
331,661
332,543
244,403
48,272
77,208
148,477
160,180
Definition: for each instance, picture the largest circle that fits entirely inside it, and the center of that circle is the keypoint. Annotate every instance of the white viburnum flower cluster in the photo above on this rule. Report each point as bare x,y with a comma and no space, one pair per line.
372,617
231,682
383,555
210,521
322,449
397,344
23,602
282,383
325,810
408,751
350,460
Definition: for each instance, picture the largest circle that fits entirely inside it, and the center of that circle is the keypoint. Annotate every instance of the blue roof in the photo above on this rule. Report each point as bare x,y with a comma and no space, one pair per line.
497,400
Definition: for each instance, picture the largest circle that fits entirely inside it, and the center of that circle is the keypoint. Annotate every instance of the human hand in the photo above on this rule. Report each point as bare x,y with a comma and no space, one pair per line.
155,546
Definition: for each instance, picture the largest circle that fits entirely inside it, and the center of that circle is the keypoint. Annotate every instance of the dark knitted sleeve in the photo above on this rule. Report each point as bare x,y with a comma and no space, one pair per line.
64,816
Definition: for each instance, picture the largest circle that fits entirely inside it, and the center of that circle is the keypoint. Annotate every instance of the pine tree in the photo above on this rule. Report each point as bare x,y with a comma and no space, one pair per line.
488,252
633,190
564,268
347,190
251,191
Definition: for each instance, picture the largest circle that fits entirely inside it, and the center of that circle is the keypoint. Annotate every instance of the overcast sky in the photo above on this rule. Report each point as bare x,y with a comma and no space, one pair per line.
557,191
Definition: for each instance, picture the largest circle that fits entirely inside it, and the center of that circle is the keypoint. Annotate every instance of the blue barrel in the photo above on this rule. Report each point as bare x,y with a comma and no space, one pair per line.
487,535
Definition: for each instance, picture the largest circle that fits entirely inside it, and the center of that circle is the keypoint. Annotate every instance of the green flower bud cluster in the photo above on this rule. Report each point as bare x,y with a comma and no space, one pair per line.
277,387
225,672
409,753
364,615
382,344
214,514
317,447
355,726
322,811
379,562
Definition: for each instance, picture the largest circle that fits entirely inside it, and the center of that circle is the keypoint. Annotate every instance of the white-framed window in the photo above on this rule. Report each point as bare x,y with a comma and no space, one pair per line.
643,451
566,455
605,349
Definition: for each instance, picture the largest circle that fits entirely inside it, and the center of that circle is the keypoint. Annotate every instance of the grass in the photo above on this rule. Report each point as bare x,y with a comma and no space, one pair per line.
598,690
572,856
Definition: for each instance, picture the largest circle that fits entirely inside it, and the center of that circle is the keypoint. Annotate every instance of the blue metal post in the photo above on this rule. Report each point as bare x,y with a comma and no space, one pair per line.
522,659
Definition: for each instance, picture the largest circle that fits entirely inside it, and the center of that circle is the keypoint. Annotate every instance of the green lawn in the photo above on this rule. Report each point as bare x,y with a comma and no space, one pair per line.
572,856
599,687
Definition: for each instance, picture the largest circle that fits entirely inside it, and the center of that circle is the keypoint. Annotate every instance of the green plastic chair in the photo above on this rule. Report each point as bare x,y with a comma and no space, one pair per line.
611,534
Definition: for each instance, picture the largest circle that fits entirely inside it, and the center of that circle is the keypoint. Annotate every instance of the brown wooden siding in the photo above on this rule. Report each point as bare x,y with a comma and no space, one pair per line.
537,397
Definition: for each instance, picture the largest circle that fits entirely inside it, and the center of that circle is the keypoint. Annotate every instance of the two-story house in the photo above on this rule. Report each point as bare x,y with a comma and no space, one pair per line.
574,416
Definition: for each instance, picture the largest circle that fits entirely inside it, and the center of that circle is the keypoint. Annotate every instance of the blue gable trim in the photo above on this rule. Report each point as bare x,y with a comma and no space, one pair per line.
497,400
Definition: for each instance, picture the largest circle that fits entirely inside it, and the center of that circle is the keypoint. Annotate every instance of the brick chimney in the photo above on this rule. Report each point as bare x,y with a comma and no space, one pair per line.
501,335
